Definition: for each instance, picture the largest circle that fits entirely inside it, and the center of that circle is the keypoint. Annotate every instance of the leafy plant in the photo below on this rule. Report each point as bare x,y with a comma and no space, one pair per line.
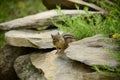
107,71
89,25
85,26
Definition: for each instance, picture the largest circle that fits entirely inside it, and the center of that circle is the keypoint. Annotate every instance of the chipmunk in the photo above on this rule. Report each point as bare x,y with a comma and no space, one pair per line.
61,42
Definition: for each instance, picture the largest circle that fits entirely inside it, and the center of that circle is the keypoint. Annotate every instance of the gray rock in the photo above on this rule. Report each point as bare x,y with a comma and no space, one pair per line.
92,51
30,38
59,67
41,19
8,54
26,71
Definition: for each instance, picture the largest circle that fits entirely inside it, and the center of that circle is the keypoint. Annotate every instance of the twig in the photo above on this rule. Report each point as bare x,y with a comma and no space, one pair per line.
109,2
88,4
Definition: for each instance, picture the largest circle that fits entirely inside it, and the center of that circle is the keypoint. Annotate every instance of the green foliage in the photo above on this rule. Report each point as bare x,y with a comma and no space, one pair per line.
107,71
89,25
85,26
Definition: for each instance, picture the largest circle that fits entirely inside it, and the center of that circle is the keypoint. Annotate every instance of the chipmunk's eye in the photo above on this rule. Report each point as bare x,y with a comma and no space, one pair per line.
53,39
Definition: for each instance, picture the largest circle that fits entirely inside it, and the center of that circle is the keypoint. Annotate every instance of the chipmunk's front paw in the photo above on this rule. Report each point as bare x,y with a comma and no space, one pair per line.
57,52
61,52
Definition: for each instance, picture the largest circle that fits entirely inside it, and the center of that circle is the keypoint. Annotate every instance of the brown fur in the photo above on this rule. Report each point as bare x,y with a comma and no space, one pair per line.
61,41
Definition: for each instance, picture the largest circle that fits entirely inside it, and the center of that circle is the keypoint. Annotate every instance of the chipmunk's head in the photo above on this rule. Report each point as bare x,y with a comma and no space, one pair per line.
56,37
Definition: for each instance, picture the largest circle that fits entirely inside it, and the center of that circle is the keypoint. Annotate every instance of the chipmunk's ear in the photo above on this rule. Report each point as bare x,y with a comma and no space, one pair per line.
58,33
51,35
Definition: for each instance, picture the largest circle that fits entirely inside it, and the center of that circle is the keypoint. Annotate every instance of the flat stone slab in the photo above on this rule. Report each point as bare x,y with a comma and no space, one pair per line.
41,19
92,51
58,67
25,70
30,38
